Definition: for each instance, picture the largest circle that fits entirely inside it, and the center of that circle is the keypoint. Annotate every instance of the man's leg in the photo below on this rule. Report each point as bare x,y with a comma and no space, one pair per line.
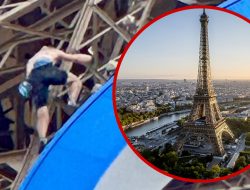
42,122
75,86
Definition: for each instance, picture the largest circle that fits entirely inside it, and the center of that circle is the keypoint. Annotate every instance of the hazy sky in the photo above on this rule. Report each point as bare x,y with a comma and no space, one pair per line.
169,49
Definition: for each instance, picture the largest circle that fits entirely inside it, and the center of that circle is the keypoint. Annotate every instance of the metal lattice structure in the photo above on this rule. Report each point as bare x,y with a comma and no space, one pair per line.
205,119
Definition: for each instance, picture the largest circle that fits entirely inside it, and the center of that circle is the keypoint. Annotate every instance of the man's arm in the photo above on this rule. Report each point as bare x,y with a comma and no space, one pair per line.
78,58
29,68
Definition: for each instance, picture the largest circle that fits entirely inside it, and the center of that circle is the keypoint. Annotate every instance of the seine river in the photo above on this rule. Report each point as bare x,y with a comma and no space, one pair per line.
140,130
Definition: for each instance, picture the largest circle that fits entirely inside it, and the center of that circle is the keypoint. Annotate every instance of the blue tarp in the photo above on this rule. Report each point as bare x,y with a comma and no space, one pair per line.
89,141
82,150
240,6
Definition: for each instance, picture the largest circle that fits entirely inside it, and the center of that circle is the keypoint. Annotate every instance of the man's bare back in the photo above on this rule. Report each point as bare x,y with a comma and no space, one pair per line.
55,55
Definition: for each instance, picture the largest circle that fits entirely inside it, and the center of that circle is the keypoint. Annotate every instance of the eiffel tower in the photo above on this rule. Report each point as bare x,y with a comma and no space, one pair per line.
205,121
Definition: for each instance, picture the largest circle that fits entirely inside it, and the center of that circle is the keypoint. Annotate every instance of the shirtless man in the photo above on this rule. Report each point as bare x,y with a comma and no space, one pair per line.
41,72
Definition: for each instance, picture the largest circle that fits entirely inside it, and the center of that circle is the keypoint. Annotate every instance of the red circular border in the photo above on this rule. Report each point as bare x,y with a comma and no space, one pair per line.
114,95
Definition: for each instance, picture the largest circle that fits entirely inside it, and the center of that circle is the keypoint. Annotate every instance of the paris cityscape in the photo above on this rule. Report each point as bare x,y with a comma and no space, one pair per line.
138,95
193,128
149,129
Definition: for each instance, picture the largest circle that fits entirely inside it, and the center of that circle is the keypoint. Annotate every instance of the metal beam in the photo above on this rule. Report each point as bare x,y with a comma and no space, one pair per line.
14,42
58,117
5,2
146,13
20,10
28,160
19,122
110,22
100,34
5,156
33,31
11,83
11,5
44,23
57,15
117,48
6,56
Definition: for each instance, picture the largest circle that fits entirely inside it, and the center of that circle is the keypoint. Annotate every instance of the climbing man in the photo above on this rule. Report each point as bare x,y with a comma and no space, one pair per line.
41,72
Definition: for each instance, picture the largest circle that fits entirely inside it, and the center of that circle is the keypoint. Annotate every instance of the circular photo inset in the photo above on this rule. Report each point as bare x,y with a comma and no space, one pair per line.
182,94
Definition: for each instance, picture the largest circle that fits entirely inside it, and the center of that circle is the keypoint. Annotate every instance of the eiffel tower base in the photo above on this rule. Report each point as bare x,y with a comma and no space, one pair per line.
213,135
